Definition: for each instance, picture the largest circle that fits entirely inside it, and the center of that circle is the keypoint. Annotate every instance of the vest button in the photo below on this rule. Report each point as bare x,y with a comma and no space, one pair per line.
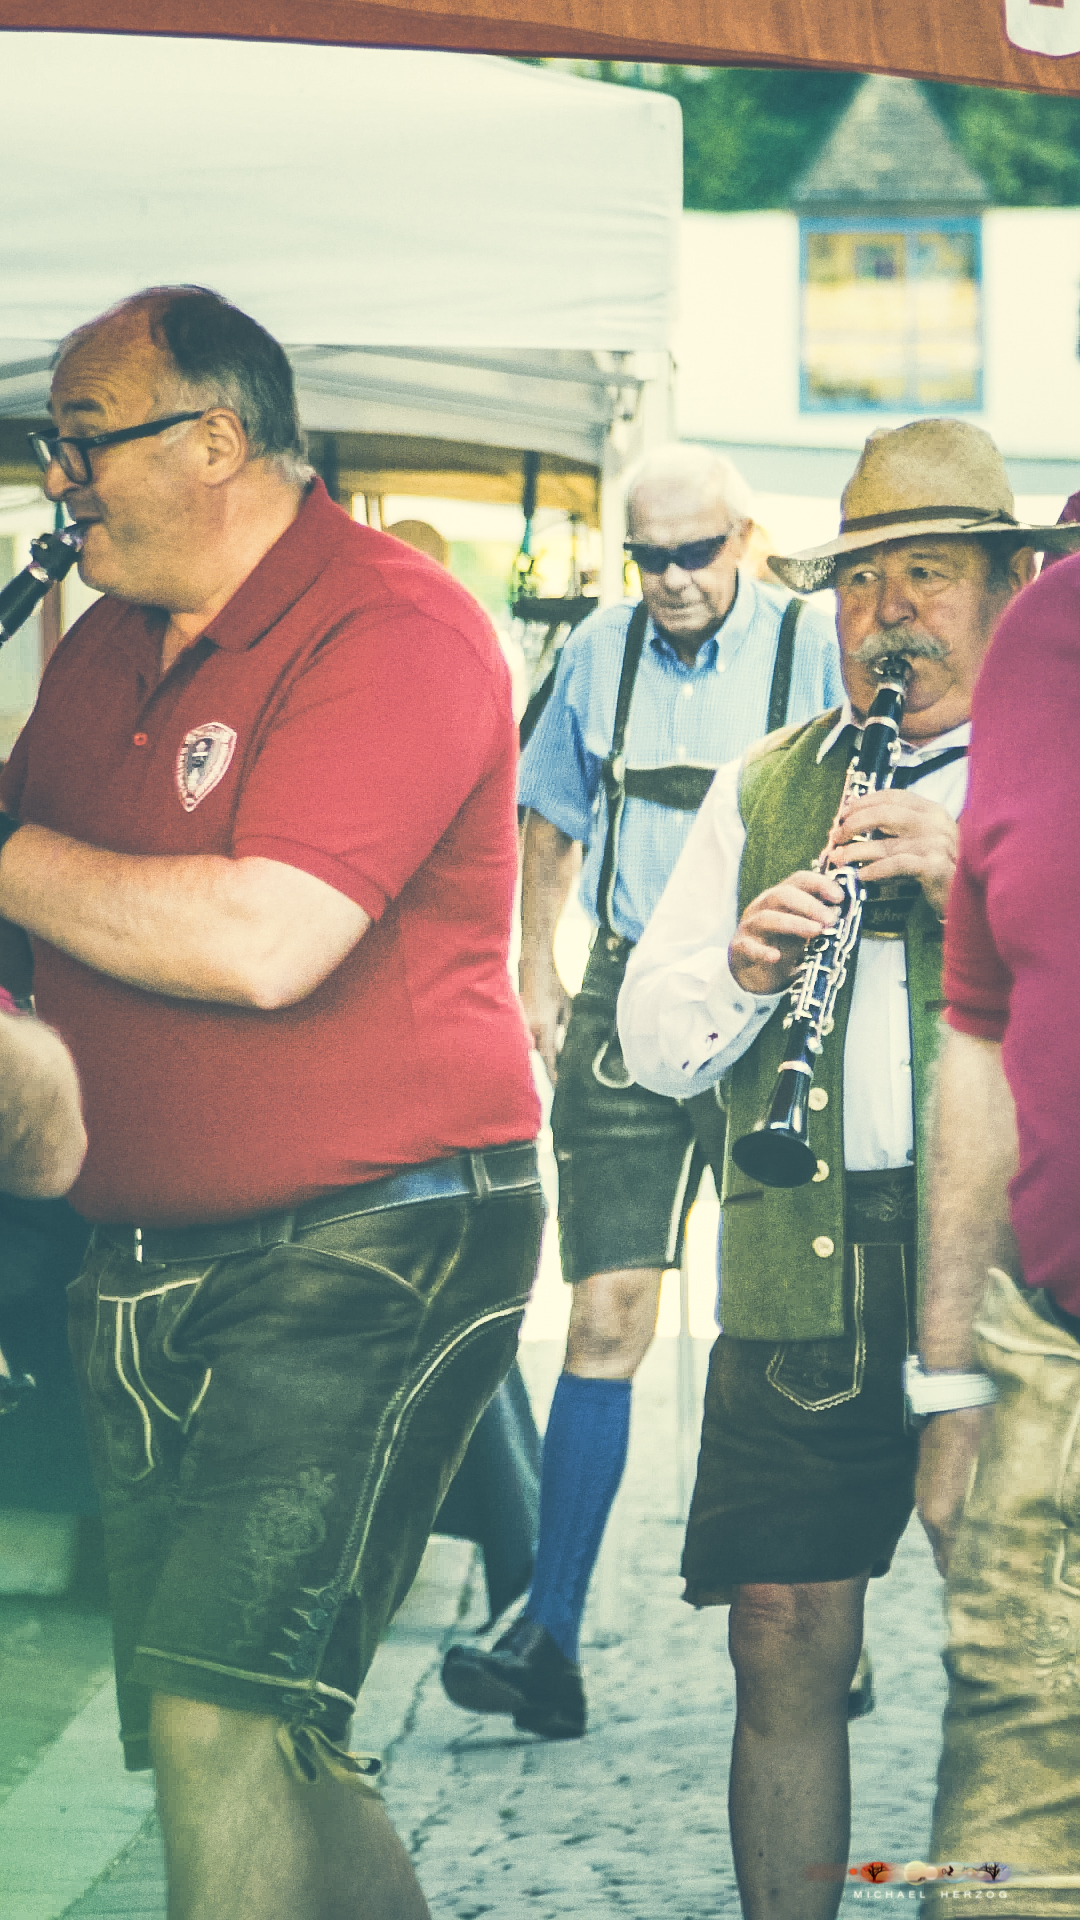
823,1246
613,943
818,1099
822,1172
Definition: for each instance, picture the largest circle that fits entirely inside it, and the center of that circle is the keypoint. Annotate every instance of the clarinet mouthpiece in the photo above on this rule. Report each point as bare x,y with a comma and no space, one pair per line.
52,555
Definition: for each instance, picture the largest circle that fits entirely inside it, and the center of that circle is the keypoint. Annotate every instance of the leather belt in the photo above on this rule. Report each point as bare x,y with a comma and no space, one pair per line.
466,1176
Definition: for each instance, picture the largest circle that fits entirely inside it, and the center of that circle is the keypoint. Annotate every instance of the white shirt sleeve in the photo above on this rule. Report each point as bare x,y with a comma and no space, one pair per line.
683,1019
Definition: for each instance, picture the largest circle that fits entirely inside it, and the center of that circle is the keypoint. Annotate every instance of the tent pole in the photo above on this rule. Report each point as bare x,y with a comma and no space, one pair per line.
612,517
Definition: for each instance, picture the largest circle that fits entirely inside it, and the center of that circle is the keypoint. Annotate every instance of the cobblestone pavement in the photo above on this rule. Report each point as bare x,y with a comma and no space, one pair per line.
629,1822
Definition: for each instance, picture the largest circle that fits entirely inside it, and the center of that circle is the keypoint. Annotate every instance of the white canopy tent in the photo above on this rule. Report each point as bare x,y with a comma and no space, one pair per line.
462,254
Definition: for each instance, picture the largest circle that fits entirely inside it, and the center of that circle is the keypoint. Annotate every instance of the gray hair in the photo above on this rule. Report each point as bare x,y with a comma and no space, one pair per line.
687,467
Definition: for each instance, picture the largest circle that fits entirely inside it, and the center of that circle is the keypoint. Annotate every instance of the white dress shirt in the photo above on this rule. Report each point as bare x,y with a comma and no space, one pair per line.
684,1020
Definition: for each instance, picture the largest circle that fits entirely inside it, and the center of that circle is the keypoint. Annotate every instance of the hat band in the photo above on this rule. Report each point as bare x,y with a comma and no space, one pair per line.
868,520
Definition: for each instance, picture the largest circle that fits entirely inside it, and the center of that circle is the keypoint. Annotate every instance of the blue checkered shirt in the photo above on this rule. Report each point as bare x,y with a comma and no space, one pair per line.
705,715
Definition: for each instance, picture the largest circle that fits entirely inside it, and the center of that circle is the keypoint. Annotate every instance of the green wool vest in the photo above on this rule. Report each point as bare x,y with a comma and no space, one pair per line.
783,1248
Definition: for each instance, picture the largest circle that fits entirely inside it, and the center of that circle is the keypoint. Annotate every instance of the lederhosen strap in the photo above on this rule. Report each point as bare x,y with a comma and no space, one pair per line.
682,788
780,691
613,767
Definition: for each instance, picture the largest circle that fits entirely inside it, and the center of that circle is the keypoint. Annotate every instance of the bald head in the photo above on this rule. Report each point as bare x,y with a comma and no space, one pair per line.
679,480
196,350
189,468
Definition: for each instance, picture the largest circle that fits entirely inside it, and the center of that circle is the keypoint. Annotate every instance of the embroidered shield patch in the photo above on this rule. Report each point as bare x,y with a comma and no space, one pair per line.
203,762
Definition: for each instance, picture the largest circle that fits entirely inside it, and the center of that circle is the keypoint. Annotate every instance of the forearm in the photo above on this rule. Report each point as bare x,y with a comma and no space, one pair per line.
42,1141
549,867
683,1019
201,928
974,1156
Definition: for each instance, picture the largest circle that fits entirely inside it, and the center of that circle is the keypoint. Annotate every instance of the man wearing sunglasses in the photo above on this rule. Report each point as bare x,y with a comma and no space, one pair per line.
647,703
261,830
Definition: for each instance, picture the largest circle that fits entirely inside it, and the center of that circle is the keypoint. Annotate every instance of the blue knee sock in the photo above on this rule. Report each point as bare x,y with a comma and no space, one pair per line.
584,1455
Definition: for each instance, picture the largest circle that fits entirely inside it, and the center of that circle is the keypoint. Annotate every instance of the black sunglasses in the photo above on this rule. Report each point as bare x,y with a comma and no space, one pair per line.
72,451
691,556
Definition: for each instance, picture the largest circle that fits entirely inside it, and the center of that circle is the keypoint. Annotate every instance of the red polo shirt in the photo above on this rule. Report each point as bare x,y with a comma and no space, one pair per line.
1014,911
347,713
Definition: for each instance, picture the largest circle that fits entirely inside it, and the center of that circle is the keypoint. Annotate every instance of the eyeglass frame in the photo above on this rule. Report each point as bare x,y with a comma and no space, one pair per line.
639,549
44,446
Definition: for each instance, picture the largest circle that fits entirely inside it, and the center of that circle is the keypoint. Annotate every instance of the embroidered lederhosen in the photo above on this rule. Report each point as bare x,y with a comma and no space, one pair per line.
681,787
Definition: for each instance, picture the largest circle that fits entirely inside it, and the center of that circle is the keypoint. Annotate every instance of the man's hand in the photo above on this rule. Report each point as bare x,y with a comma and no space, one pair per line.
42,1140
771,937
547,1010
950,1443
923,842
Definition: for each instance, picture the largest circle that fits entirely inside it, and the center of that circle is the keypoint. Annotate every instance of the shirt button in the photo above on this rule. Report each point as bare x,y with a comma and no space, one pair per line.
818,1099
140,739
680,753
721,666
688,693
823,1246
822,1172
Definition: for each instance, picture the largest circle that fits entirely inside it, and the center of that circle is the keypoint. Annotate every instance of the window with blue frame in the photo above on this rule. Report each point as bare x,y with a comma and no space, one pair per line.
891,315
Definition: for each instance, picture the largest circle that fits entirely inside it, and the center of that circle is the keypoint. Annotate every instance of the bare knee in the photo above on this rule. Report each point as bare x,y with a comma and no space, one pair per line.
795,1648
197,1737
612,1323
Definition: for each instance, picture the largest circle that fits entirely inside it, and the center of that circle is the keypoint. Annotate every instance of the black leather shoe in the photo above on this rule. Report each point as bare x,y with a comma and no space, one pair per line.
524,1675
860,1700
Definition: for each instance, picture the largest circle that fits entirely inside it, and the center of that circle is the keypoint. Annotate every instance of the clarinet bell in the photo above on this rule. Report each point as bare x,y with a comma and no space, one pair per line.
778,1152
775,1154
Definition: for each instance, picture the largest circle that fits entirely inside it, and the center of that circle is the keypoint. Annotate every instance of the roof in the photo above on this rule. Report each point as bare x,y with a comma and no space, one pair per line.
347,196
889,152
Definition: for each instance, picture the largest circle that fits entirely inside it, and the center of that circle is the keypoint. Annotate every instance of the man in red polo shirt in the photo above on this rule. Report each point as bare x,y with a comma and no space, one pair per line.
261,831
999,1365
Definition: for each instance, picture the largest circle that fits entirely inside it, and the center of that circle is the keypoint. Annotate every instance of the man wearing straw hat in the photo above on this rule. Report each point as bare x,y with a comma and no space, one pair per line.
805,1480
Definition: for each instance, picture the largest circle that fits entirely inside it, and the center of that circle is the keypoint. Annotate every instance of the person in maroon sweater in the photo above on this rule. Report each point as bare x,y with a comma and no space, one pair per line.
261,829
999,1476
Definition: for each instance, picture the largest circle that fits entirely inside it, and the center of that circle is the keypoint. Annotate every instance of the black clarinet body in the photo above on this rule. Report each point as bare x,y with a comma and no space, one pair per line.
52,555
778,1152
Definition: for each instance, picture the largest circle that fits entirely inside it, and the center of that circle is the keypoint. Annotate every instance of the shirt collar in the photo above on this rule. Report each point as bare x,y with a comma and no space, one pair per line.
283,574
909,749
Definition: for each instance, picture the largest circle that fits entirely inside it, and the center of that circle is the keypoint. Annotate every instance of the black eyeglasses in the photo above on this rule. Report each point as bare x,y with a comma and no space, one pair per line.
691,556
72,451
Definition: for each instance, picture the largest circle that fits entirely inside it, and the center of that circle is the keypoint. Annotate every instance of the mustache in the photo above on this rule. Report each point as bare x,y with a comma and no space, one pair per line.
914,646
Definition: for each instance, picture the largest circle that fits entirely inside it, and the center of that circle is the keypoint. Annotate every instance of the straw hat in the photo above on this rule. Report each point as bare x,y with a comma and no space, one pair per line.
932,477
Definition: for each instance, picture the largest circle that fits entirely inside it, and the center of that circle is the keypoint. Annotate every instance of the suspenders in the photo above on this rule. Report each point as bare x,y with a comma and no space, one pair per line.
680,787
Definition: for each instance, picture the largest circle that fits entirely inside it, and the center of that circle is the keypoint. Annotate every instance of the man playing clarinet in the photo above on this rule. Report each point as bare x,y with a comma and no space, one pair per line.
805,1479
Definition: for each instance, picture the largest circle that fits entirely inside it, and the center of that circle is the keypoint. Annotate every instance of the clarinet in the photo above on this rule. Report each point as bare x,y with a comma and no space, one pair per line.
777,1152
52,556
